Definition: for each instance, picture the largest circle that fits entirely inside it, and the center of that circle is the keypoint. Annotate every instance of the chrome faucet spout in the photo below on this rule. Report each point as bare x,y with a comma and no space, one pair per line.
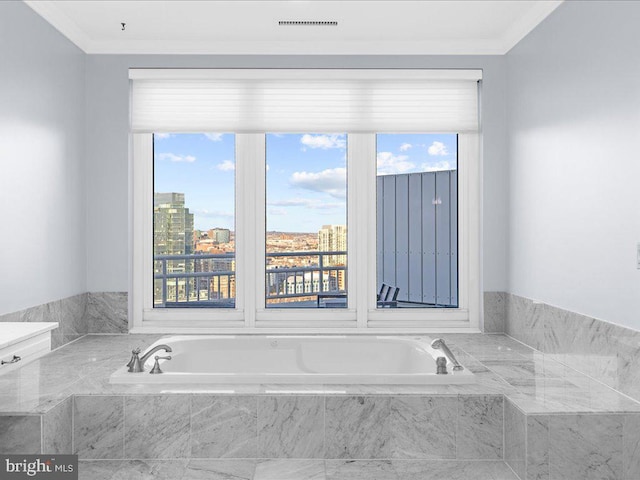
144,357
136,364
439,344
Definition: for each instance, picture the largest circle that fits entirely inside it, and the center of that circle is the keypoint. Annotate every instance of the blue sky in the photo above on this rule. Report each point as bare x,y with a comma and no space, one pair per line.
306,173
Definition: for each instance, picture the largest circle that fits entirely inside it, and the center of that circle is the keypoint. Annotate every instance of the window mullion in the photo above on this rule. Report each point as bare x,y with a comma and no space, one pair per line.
361,218
250,207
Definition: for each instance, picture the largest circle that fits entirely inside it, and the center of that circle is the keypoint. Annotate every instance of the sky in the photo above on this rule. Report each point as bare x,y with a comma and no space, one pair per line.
306,173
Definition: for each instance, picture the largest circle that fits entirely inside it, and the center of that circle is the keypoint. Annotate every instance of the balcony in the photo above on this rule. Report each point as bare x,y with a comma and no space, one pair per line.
309,279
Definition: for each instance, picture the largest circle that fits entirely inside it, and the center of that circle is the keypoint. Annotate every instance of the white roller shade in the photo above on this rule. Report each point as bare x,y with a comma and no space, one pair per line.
245,101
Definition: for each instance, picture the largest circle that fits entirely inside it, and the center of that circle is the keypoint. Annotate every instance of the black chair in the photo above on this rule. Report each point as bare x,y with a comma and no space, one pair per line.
388,297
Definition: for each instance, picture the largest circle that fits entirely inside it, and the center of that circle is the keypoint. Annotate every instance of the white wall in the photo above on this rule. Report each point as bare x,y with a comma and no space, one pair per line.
574,154
107,137
42,194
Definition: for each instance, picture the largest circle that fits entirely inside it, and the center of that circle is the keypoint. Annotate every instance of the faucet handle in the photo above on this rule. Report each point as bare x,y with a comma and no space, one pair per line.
156,366
134,360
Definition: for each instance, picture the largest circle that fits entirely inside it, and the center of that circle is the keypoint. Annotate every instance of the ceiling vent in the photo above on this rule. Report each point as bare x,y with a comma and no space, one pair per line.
307,23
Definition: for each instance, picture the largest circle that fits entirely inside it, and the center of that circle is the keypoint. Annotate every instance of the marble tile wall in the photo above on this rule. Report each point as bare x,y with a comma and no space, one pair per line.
68,312
604,351
20,434
294,469
436,427
107,312
57,428
495,312
572,447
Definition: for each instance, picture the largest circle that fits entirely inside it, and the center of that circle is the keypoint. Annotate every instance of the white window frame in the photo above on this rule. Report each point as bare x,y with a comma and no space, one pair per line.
250,314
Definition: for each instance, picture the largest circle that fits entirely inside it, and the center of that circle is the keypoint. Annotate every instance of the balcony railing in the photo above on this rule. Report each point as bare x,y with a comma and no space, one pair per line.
199,280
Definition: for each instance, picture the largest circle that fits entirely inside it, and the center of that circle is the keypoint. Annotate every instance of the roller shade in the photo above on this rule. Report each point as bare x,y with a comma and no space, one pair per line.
246,101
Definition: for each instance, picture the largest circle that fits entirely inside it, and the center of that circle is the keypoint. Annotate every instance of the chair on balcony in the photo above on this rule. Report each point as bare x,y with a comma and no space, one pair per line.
388,296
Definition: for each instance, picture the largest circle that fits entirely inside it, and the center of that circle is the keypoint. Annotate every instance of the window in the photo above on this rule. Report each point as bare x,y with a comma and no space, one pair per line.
193,220
306,220
290,223
417,220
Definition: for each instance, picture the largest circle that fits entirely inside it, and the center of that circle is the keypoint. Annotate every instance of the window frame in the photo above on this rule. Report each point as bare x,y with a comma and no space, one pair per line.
250,314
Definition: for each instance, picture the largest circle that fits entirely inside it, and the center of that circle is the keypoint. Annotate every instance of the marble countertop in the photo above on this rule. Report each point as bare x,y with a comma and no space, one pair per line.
535,382
14,332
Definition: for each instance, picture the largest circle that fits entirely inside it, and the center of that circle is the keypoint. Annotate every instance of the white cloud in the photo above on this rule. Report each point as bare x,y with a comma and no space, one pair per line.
277,211
390,164
214,137
438,166
176,158
306,202
332,181
213,213
292,202
438,149
324,142
162,136
226,166
405,146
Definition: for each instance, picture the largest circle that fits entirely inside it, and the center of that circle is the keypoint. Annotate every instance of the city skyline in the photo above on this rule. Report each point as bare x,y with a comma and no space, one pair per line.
305,174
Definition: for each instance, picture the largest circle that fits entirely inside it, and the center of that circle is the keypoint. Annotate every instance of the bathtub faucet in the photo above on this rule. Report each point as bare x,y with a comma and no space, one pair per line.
136,364
439,344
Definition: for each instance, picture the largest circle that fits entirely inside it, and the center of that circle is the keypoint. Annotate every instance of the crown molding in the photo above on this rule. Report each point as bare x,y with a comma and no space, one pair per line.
53,14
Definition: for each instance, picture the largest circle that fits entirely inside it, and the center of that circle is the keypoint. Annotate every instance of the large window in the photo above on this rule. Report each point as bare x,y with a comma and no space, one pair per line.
417,220
288,221
194,220
306,220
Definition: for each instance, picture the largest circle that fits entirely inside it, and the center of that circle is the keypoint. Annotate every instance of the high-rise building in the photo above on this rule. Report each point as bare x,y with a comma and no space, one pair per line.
219,235
333,238
172,235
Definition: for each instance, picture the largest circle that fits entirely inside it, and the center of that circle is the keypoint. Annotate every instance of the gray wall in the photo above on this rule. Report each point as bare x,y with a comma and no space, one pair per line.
107,147
42,175
573,140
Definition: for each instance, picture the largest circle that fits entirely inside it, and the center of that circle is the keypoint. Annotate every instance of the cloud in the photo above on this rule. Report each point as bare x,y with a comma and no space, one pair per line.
162,136
332,181
390,164
213,213
438,149
176,158
226,166
291,202
277,211
324,142
405,146
306,202
438,166
214,137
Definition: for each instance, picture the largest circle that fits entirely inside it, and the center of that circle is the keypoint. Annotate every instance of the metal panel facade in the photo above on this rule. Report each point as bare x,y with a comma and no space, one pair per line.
417,235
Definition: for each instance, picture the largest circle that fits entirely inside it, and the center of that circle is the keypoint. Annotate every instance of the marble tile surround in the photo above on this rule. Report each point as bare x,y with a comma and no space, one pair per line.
572,447
408,418
294,469
604,351
93,312
209,426
495,312
68,312
107,312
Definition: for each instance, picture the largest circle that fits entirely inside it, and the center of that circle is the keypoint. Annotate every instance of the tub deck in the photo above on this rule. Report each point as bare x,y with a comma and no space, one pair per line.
522,400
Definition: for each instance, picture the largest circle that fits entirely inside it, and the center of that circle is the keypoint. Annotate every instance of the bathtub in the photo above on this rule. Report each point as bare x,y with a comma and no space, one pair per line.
299,359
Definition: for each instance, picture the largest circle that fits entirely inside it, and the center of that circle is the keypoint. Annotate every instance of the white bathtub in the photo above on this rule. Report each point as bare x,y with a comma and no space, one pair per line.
279,359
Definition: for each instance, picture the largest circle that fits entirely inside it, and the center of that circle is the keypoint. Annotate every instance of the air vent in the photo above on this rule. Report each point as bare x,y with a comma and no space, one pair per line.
307,23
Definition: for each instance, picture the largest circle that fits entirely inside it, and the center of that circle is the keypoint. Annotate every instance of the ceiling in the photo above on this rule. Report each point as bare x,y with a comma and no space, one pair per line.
364,27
